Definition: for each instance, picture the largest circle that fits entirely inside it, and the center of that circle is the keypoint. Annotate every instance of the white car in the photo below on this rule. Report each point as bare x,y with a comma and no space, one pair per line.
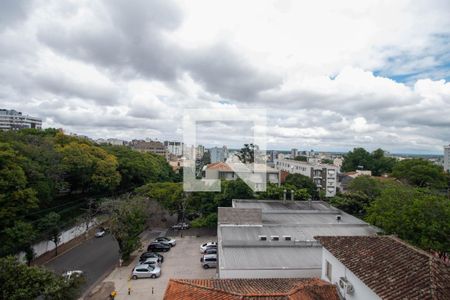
100,233
207,245
145,271
166,240
72,274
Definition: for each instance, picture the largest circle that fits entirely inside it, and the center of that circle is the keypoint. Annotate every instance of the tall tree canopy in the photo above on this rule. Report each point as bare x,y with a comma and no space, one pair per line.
303,182
376,161
421,173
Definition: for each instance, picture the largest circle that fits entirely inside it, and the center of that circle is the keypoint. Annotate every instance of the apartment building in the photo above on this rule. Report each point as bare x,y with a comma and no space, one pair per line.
174,148
218,154
149,146
447,158
11,119
323,175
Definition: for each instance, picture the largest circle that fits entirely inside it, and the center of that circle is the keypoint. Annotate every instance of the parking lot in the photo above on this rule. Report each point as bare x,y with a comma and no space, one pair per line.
182,261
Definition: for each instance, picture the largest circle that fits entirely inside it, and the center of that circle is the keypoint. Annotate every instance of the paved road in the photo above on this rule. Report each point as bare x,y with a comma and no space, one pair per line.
95,257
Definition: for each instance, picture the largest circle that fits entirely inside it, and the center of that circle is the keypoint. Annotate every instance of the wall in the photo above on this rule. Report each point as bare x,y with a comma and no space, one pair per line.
270,273
361,291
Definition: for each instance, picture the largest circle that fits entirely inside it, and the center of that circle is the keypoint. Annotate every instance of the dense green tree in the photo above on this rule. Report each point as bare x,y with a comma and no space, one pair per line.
51,226
273,191
19,238
301,158
421,173
303,182
415,215
127,219
168,194
376,161
19,281
327,161
233,189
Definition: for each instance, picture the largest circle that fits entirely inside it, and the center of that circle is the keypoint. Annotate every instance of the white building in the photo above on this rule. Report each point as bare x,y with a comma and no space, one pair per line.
323,175
294,153
218,154
14,120
174,148
382,267
275,238
447,158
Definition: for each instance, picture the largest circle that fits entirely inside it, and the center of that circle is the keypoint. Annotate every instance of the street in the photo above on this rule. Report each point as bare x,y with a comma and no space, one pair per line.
94,257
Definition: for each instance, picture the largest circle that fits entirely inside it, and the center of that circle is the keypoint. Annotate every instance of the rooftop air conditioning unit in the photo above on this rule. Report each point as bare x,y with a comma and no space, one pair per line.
275,238
346,286
262,238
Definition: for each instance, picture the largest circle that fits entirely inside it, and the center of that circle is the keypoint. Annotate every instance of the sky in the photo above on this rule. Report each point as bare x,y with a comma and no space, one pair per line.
331,75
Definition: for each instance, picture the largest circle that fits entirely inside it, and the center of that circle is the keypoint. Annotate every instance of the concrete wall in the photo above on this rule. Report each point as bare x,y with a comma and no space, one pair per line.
361,291
270,273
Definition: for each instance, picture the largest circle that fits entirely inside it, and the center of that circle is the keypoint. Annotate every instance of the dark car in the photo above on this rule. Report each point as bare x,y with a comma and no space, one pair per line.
210,250
158,247
146,255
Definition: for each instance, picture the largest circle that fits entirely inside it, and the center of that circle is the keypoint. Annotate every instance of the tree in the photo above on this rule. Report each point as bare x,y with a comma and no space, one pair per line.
19,281
247,154
327,161
301,158
233,189
127,219
51,226
421,173
273,191
168,194
19,238
303,182
375,161
415,215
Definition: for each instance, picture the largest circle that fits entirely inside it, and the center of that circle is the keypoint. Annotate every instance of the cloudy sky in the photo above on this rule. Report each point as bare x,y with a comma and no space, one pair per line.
332,75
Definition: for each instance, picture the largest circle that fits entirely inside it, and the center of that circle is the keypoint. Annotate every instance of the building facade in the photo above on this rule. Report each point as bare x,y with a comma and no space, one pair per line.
218,154
323,175
14,120
149,146
174,148
447,158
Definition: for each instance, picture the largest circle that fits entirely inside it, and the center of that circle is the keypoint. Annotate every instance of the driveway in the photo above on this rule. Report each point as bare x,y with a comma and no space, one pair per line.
182,261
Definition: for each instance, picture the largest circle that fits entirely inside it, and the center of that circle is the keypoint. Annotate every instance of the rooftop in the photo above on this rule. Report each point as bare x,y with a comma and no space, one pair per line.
268,289
225,167
390,267
287,206
239,216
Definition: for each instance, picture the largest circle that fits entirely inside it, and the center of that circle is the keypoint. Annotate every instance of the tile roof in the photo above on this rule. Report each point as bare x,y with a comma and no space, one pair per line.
390,267
248,289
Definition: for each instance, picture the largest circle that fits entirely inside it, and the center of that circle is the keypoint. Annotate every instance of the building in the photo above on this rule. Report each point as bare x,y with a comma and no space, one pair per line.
294,153
218,154
237,289
382,267
200,151
149,146
115,142
323,175
275,238
447,158
223,171
174,148
14,120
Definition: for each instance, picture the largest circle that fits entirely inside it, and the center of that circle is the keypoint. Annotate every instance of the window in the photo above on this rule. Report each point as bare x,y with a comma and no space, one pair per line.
329,270
142,270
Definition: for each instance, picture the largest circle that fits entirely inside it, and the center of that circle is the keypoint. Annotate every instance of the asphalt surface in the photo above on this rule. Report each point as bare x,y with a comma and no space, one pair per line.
94,257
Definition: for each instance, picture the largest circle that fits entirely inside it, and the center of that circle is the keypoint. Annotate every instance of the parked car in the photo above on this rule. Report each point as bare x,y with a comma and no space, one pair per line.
167,240
181,226
209,261
146,255
145,271
100,233
152,261
158,247
204,246
72,274
210,250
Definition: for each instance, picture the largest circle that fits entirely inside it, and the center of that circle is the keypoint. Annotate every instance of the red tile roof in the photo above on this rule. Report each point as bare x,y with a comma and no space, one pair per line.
221,166
248,289
390,267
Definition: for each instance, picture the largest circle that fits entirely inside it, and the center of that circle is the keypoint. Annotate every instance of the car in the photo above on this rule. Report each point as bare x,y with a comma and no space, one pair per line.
181,226
146,255
158,247
210,250
152,261
145,271
100,233
209,261
72,274
165,239
207,245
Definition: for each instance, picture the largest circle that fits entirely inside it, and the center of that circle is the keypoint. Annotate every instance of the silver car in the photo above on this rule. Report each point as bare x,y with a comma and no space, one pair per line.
152,261
145,271
209,261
